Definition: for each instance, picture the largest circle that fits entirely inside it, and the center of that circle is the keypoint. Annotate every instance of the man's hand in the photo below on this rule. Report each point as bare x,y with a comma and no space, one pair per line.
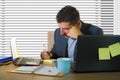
46,55
74,32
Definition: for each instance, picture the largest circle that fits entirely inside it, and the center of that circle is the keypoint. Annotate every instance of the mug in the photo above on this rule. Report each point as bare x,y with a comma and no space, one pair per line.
63,65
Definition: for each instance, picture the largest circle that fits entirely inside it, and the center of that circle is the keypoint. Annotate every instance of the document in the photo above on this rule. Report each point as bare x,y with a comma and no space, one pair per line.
47,70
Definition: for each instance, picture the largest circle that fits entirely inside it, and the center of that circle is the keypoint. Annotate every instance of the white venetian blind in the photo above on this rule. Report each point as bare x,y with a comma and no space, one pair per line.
107,16
30,20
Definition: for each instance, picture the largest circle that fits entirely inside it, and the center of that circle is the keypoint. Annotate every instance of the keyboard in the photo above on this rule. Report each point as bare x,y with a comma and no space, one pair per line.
26,61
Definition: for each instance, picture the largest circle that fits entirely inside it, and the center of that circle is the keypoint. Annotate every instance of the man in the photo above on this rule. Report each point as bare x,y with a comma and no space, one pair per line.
65,38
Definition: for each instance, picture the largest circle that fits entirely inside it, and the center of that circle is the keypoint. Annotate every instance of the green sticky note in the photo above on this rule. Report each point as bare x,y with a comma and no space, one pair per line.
114,49
104,53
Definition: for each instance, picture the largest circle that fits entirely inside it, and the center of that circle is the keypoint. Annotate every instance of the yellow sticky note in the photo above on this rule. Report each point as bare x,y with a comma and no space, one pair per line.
104,54
47,61
115,49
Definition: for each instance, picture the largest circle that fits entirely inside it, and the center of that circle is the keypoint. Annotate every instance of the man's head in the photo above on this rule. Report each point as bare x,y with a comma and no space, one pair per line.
66,18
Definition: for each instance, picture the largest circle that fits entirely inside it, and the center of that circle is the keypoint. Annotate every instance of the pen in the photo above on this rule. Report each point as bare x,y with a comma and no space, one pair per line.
44,47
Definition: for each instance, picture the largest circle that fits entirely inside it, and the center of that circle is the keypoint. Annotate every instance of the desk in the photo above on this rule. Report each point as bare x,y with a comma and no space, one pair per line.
71,76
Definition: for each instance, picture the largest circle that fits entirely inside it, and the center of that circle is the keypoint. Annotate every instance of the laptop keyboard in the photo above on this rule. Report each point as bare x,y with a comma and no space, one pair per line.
30,61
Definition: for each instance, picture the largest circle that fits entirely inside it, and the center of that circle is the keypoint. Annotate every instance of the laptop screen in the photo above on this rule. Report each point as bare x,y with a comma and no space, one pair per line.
97,53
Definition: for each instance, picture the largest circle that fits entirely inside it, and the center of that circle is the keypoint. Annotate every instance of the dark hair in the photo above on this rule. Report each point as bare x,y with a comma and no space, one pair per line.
68,14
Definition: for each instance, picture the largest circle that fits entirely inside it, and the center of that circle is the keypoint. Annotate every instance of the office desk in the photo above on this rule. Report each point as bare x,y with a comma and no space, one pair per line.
71,76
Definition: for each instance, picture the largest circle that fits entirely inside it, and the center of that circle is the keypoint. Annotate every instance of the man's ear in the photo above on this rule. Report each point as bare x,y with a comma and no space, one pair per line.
79,24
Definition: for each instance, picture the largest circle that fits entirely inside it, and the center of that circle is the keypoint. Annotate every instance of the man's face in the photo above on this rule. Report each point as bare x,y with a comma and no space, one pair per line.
64,28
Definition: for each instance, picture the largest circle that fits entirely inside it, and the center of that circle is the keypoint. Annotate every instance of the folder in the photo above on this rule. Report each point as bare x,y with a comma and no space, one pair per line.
4,59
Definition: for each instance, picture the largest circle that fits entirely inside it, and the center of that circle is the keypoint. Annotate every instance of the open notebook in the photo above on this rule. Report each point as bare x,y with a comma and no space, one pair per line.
20,60
48,68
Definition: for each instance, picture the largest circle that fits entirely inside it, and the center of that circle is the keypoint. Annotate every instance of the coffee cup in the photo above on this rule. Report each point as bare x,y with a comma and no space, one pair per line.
63,65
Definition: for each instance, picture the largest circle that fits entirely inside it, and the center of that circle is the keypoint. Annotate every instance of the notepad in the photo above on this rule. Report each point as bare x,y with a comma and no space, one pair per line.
114,49
104,54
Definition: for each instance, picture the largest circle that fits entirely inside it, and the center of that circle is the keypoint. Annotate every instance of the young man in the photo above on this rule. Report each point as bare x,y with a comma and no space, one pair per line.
70,27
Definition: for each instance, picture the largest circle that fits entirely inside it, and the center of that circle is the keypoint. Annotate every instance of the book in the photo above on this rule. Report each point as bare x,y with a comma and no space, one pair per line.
47,70
4,59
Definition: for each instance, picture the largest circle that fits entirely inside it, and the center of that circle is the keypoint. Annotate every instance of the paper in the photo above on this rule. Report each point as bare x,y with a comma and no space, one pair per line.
25,69
115,49
47,70
14,48
104,54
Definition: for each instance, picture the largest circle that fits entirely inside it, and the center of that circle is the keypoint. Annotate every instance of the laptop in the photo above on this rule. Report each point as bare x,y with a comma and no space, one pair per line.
97,53
20,60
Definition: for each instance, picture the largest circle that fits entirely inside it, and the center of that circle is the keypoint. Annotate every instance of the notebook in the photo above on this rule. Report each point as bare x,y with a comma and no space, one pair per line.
20,60
43,69
97,53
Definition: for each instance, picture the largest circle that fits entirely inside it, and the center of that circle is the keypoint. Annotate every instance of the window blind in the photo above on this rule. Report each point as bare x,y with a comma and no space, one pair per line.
30,20
116,17
107,18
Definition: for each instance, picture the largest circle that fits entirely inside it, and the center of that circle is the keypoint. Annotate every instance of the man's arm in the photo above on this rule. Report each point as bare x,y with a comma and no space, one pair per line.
51,54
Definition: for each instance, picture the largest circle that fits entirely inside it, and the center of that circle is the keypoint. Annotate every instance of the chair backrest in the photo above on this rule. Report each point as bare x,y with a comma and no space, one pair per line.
50,40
